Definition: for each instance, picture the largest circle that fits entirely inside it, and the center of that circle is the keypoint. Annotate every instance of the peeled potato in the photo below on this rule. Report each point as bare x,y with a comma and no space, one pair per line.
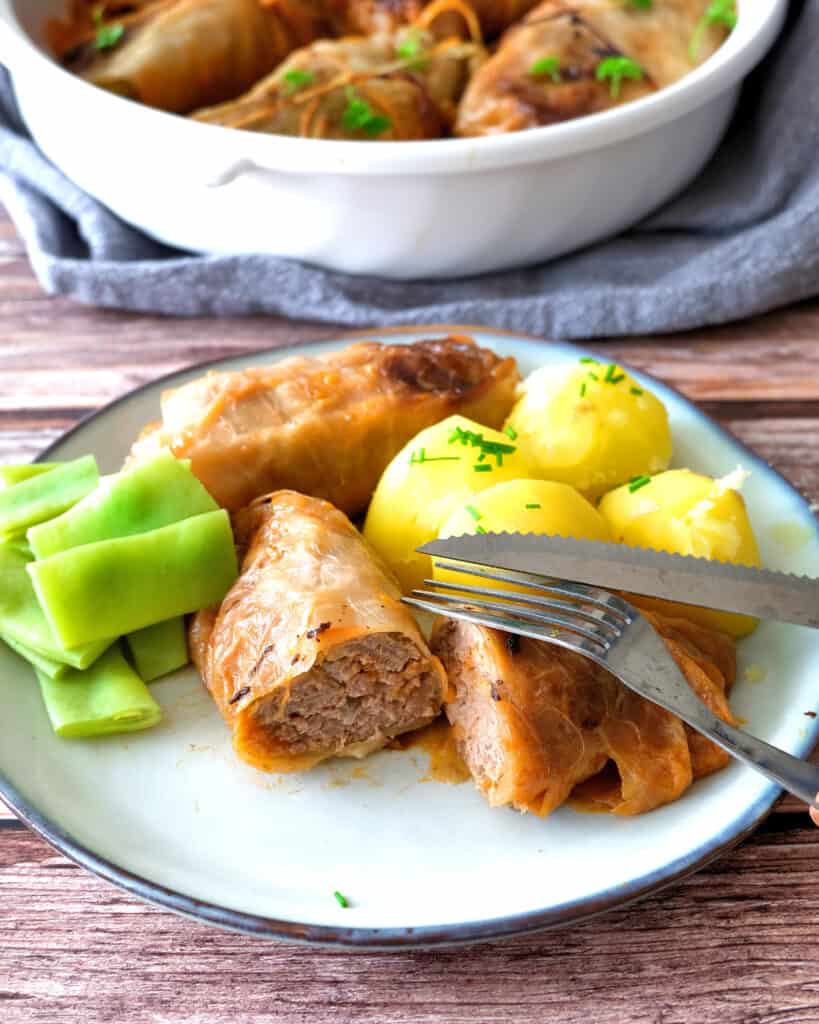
686,513
590,425
438,470
523,506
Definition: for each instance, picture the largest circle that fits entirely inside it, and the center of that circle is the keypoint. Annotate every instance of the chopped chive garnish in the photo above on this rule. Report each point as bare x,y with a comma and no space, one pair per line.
546,66
617,378
411,50
718,12
296,79
479,529
644,5
473,512
108,36
360,116
342,901
582,389
511,432
483,468
588,359
611,369
593,375
534,504
476,440
419,457
614,69
638,482
636,391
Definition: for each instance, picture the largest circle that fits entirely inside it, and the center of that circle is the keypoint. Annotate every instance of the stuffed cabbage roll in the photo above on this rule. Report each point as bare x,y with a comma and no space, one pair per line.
311,654
359,88
574,57
370,16
328,425
178,55
534,722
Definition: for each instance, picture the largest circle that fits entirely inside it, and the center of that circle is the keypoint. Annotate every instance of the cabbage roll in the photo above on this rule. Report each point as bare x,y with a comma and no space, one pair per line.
178,55
536,723
359,88
371,16
311,654
328,425
569,58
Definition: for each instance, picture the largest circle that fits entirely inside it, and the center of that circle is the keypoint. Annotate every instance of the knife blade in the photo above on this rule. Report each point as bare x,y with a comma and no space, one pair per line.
732,588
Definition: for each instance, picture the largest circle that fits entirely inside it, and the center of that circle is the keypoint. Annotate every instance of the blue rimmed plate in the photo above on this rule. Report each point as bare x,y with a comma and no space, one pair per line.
172,816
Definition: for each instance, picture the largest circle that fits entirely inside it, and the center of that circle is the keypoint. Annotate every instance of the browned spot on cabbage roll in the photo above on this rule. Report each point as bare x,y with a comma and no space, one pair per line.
311,654
178,55
328,425
545,69
534,722
359,88
370,16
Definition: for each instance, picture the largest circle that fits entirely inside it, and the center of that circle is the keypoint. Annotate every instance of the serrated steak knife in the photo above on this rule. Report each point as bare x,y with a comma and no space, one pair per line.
719,585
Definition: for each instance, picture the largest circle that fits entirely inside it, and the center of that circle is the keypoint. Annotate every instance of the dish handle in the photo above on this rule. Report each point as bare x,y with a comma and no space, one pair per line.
237,169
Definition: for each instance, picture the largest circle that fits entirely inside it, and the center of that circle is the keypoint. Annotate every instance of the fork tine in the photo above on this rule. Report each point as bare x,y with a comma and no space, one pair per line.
546,584
597,619
594,648
518,614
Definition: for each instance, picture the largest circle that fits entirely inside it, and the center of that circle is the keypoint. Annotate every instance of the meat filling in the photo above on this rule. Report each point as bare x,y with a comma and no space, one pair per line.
364,691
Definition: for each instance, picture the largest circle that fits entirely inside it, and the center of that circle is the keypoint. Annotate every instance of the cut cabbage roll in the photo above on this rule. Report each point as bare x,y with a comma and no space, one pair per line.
329,425
311,654
534,722
359,88
178,55
569,58
371,16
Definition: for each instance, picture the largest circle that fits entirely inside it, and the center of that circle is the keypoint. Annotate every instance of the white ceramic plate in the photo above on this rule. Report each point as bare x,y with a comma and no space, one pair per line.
172,816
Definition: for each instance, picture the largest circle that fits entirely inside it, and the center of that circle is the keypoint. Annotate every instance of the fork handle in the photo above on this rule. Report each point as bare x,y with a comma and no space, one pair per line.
796,776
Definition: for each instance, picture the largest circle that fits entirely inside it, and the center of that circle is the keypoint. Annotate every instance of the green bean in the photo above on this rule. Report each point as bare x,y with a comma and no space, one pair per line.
22,618
148,496
46,495
107,698
11,475
120,586
39,661
160,649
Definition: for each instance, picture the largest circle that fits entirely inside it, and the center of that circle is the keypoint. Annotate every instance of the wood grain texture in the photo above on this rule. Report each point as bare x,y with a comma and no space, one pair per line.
738,942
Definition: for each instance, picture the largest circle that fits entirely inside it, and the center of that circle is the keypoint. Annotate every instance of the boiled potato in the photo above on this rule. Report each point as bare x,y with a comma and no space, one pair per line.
590,425
523,506
437,471
686,513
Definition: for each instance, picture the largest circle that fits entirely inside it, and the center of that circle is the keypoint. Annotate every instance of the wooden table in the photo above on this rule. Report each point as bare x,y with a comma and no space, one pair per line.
737,942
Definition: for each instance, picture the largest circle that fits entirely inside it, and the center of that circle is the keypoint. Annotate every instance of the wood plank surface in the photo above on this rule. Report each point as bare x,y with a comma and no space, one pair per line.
737,943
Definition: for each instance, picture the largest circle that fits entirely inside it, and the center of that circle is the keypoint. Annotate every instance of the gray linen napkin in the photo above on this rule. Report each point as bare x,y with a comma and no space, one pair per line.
743,239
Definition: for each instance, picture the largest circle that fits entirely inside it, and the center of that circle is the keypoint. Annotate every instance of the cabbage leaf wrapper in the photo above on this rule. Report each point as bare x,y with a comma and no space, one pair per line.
178,55
312,655
387,87
570,58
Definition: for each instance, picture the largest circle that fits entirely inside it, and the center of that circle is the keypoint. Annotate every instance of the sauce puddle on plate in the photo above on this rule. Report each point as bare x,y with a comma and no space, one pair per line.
438,743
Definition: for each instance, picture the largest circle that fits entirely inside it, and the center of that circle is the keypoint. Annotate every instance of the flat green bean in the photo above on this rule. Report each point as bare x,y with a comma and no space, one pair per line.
46,495
146,497
53,669
119,586
160,649
11,475
107,698
22,618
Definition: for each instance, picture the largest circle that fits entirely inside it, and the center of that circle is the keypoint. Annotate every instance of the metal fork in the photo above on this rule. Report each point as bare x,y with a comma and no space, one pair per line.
606,628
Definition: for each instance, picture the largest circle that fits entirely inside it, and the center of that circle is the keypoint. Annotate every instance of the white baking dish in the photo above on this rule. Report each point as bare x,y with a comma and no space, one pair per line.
404,210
